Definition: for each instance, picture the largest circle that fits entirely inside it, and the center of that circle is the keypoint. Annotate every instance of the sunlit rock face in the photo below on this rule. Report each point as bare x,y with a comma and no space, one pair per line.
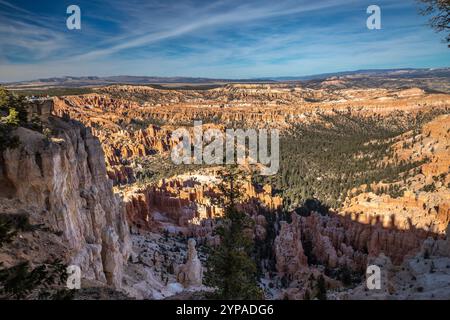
62,182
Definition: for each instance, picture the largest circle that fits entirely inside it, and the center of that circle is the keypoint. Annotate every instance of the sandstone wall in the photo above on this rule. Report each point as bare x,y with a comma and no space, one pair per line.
63,181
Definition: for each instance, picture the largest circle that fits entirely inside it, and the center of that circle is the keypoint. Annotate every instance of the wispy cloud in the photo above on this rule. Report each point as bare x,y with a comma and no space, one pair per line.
213,17
230,38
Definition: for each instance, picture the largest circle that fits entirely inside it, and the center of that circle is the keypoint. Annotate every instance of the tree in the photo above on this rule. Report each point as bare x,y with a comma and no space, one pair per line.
307,295
24,281
11,224
10,101
321,288
4,97
12,114
440,11
13,118
230,268
7,231
345,275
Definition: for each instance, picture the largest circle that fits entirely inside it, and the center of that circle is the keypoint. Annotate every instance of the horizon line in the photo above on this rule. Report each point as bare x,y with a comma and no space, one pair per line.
265,78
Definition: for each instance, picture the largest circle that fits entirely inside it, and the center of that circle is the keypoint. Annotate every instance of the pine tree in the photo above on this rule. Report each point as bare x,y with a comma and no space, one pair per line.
23,280
12,114
321,288
42,282
307,295
440,15
230,268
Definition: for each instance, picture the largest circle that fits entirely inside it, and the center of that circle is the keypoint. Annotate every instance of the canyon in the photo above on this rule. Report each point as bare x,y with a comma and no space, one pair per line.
102,181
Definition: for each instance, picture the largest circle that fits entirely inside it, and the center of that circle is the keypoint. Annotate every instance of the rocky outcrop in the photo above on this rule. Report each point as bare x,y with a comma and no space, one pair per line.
61,180
191,273
337,241
290,257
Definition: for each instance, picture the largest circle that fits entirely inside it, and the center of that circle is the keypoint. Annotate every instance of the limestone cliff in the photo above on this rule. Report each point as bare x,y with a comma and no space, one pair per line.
60,180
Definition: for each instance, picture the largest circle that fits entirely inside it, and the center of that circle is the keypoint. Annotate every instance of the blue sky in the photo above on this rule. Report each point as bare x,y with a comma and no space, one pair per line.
217,39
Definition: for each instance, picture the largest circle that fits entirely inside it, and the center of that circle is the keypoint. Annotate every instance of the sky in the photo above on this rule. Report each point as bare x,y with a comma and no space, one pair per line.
232,39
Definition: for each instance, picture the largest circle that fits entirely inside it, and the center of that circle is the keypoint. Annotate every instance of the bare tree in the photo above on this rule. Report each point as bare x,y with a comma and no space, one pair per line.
439,10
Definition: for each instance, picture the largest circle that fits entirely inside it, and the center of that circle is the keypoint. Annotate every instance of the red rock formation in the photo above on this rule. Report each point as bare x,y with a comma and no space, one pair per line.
186,202
337,241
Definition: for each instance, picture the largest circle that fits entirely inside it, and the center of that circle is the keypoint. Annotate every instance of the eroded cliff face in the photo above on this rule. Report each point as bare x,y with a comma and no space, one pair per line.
60,180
